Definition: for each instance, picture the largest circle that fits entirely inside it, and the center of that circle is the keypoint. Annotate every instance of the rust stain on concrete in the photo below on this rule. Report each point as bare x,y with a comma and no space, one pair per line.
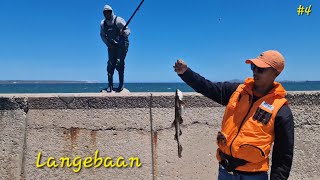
74,132
93,135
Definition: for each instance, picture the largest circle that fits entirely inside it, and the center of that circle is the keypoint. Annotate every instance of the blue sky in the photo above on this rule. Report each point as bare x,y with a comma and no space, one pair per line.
59,39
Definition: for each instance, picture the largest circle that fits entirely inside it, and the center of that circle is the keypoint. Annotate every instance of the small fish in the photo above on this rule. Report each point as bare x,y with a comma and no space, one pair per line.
179,104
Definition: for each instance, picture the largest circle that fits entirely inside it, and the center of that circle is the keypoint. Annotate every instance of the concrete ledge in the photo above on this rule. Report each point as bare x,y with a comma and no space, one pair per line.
303,98
132,124
98,101
130,100
13,103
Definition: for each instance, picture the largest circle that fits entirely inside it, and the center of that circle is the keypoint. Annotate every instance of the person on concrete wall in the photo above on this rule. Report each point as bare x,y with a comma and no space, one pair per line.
116,39
256,115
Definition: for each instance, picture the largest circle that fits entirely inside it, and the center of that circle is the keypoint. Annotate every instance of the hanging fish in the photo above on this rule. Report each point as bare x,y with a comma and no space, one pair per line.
178,106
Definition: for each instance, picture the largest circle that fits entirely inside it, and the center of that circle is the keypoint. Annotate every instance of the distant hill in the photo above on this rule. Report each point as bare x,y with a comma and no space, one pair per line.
42,82
288,81
236,80
282,81
78,82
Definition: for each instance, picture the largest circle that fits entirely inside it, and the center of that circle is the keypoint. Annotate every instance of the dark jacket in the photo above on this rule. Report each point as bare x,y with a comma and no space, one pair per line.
284,126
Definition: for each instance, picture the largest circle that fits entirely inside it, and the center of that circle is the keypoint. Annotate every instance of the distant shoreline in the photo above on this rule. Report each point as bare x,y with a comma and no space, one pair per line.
89,82
43,82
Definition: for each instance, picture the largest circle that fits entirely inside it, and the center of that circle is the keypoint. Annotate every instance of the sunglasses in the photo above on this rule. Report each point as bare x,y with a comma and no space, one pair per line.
259,70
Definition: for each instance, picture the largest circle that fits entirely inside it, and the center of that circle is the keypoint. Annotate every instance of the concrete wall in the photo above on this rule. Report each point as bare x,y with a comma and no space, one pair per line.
70,125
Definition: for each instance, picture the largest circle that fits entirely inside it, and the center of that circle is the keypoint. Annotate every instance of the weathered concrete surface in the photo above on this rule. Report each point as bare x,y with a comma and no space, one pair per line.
12,137
12,133
306,161
198,155
80,132
199,129
70,125
82,142
305,107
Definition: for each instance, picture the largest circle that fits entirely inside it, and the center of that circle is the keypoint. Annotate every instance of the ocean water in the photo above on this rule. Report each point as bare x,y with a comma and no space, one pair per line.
132,87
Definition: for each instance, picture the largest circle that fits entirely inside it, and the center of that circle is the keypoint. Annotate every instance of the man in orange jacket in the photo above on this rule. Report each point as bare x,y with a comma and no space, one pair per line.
256,115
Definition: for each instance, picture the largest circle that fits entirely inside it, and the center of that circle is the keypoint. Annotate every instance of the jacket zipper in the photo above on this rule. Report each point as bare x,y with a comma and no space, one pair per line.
241,125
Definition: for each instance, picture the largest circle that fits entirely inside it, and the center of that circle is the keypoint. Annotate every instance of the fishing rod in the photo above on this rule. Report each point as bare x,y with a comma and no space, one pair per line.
132,16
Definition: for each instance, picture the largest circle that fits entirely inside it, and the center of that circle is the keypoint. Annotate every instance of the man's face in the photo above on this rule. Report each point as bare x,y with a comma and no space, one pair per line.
107,14
263,76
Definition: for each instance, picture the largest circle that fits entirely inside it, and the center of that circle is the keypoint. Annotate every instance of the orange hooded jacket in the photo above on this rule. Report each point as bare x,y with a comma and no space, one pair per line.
248,127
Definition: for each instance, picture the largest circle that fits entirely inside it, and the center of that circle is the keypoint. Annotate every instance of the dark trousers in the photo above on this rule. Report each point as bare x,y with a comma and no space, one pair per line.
116,60
224,175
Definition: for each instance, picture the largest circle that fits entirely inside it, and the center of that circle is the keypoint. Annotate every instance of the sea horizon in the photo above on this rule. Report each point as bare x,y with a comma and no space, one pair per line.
85,87
95,81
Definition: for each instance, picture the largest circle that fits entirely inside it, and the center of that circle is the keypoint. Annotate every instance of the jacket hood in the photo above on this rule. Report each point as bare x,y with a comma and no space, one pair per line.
106,8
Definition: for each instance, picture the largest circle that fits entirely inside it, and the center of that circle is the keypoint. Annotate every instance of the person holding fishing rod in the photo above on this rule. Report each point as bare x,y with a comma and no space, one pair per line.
257,114
114,33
